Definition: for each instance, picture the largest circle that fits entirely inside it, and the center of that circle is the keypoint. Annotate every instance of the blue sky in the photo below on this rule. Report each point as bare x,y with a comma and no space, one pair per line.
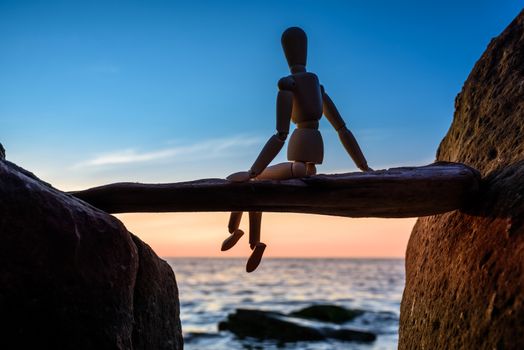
96,92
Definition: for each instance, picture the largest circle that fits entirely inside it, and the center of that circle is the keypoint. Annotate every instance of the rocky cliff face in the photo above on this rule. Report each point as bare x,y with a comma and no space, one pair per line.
465,269
73,277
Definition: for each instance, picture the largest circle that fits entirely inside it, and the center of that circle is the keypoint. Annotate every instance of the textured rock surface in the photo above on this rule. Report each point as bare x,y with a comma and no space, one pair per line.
156,307
73,277
465,270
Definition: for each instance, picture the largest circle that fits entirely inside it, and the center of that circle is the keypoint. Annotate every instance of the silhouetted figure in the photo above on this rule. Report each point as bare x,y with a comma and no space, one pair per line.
303,100
2,152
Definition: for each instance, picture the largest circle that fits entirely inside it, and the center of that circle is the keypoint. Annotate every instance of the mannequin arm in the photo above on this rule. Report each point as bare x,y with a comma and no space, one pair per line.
275,142
346,137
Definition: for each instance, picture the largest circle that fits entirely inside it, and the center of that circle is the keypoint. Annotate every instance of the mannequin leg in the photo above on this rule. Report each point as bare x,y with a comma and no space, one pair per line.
234,221
235,233
283,171
311,169
255,220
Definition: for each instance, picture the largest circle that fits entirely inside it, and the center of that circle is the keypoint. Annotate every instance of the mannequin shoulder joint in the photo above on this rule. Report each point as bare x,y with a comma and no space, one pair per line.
286,83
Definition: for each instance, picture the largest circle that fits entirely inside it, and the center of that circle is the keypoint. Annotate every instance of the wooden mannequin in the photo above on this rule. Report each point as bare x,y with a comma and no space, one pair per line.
303,100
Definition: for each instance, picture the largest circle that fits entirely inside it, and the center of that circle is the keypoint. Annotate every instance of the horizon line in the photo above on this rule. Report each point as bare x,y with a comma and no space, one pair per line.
291,257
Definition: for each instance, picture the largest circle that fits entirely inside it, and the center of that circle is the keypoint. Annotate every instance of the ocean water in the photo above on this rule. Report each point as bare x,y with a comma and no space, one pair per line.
211,288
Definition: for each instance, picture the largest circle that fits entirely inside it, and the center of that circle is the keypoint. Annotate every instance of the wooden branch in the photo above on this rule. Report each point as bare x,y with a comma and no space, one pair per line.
392,193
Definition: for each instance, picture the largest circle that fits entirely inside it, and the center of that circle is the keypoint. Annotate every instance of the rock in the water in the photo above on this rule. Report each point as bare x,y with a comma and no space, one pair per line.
327,313
267,325
349,334
465,269
73,277
274,325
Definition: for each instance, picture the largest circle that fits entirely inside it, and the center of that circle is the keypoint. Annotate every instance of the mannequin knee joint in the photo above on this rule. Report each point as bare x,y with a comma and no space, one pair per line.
299,169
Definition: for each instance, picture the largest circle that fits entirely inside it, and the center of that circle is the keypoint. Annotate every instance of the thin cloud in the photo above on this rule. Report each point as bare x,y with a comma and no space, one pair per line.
205,149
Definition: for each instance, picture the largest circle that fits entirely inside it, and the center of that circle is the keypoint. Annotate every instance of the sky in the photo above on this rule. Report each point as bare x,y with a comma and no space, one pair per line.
95,92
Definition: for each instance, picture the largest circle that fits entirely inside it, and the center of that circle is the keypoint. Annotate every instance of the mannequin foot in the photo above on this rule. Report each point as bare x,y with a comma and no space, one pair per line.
256,257
231,240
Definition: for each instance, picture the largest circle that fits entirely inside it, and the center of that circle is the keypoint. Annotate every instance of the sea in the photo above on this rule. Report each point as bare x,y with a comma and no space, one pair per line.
211,288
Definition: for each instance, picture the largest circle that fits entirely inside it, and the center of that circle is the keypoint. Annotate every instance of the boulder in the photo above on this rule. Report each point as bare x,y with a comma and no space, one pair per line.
156,307
274,325
73,277
327,313
267,325
465,269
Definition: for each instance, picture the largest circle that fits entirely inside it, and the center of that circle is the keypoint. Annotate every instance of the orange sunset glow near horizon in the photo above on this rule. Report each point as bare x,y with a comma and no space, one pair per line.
287,235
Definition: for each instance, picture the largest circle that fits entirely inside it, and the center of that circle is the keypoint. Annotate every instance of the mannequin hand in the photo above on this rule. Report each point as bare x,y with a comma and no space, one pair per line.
241,176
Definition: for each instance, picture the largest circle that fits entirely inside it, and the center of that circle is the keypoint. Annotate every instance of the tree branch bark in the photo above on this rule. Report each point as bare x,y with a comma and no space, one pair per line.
392,193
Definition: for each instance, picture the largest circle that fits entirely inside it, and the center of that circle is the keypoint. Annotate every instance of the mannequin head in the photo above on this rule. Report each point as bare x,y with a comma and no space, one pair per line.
294,43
